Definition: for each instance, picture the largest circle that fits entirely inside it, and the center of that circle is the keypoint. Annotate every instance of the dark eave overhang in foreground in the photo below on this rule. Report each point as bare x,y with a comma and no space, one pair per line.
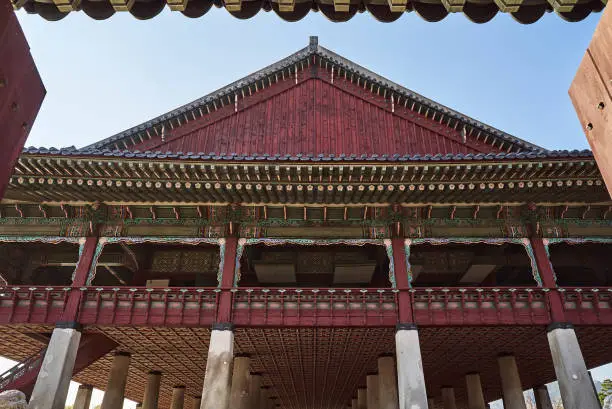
285,69
523,11
127,177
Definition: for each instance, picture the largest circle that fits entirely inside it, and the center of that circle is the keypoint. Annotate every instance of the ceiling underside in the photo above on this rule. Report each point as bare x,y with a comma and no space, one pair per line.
321,368
481,11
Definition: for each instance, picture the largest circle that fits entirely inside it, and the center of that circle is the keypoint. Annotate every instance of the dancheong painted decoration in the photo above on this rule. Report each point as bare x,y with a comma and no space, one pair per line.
312,236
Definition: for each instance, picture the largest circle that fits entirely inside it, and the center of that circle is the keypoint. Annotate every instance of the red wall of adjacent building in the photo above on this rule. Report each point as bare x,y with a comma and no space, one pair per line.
21,92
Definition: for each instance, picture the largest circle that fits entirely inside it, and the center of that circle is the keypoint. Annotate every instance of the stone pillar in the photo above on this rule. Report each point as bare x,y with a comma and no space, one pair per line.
83,397
387,383
218,376
372,385
573,377
542,398
474,391
197,402
239,396
362,398
178,397
151,392
512,389
355,403
448,397
115,388
264,397
410,377
53,380
255,390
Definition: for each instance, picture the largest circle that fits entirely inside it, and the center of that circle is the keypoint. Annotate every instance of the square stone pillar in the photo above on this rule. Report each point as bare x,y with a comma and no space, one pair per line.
115,388
410,377
218,376
83,397
512,389
574,381
53,380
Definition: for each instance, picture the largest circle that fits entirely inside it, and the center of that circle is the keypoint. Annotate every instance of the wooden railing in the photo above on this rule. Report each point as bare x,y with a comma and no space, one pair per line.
313,306
480,306
148,306
23,372
197,306
587,305
37,305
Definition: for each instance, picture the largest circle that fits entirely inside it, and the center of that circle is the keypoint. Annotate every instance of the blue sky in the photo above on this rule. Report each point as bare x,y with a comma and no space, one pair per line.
104,77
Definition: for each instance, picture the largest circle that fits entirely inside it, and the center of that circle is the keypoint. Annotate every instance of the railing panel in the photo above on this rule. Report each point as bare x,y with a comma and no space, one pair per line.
22,373
36,305
480,306
587,305
315,307
148,306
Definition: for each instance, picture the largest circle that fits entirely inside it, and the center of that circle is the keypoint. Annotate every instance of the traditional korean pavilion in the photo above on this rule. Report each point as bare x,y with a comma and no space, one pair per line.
312,236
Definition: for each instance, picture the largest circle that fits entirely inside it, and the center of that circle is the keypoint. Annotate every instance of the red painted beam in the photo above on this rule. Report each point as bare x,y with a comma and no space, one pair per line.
71,308
224,311
21,92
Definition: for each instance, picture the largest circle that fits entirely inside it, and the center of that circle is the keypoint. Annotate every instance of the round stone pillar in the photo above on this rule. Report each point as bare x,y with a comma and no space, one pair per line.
197,402
178,397
115,388
474,391
362,398
255,390
542,398
448,397
410,377
151,394
575,384
372,386
355,403
512,388
239,395
218,375
387,383
83,397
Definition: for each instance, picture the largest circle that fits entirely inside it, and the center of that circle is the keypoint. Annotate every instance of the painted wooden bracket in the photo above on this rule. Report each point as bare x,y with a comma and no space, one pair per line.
286,5
342,6
122,5
453,6
508,6
398,6
233,5
177,5
562,6
66,6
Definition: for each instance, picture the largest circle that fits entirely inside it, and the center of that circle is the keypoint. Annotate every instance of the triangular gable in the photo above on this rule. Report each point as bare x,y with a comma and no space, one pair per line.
315,101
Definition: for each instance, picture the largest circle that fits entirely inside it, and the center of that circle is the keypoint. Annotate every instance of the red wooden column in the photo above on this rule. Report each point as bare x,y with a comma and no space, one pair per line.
404,300
224,309
557,312
21,92
71,309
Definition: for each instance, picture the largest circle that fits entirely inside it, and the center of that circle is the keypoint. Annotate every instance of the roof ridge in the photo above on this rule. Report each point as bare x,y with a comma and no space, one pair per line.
313,48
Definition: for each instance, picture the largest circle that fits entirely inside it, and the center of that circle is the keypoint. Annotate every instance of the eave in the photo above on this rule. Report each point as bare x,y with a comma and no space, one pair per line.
109,179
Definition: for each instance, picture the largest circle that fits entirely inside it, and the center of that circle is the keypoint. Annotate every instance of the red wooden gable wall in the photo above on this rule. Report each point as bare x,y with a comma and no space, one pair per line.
315,116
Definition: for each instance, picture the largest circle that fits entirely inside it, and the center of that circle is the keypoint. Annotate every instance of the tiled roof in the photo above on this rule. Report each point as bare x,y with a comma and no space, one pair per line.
74,152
